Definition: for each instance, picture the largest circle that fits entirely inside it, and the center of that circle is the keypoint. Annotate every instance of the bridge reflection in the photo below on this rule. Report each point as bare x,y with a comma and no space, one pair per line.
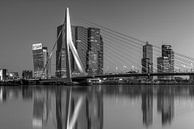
91,111
51,105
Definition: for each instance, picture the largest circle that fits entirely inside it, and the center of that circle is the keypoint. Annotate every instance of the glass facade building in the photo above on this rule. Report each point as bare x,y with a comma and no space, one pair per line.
165,64
47,63
80,37
40,57
60,54
147,60
3,74
95,52
89,45
38,61
168,53
80,40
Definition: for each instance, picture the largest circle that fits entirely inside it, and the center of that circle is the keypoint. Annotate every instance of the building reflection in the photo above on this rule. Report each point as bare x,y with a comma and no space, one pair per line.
165,104
90,114
27,93
3,95
9,93
95,109
40,108
147,106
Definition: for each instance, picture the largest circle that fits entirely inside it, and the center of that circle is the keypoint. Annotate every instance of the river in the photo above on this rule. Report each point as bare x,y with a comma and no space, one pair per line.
97,107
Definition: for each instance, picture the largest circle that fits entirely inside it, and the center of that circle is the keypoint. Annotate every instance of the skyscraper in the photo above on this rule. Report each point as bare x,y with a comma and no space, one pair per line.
165,63
38,60
80,37
147,60
60,54
45,58
89,45
40,57
95,52
3,74
169,53
47,63
80,40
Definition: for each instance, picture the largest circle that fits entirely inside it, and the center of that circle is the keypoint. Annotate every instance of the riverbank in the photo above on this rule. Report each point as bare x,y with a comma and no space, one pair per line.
85,83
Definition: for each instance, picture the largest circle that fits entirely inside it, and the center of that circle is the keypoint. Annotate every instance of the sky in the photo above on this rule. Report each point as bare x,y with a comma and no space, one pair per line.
24,22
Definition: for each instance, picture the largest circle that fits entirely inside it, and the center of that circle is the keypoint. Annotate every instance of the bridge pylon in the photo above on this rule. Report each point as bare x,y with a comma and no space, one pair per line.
67,39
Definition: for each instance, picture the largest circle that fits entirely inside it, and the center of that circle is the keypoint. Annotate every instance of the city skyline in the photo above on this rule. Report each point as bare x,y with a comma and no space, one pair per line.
26,22
155,105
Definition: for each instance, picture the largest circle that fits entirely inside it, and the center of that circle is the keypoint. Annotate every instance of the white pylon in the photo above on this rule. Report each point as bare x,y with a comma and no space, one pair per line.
70,45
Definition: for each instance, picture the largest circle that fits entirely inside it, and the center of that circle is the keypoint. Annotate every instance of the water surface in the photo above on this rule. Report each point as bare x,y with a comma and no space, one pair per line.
97,107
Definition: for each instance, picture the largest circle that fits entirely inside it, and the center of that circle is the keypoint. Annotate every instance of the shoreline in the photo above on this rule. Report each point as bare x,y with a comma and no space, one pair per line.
84,83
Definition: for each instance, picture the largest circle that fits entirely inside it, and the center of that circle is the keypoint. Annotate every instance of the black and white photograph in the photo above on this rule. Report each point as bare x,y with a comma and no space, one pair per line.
97,64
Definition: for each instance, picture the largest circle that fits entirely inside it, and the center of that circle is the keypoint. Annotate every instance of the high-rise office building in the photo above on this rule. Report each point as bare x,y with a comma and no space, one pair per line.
40,57
147,60
89,45
60,54
80,37
147,106
3,74
47,63
80,40
37,59
165,64
169,53
95,52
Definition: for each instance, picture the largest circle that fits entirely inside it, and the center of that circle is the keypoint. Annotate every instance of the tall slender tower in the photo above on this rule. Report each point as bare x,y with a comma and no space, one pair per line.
165,63
147,60
168,53
80,39
46,62
95,52
60,54
38,59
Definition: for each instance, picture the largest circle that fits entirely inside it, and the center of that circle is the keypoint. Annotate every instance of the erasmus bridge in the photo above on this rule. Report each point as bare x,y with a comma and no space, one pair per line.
131,60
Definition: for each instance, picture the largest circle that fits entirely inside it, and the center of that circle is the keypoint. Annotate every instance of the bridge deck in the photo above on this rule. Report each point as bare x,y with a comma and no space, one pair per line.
135,75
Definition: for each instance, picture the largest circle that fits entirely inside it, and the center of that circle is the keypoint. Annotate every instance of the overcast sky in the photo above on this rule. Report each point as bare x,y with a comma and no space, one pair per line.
23,22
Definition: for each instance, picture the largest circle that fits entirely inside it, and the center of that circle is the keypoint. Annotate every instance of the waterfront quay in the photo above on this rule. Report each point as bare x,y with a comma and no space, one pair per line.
97,81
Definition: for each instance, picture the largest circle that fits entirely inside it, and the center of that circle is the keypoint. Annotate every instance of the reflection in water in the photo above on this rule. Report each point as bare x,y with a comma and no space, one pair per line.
40,108
90,113
82,107
59,109
2,94
9,93
165,104
147,106
27,93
